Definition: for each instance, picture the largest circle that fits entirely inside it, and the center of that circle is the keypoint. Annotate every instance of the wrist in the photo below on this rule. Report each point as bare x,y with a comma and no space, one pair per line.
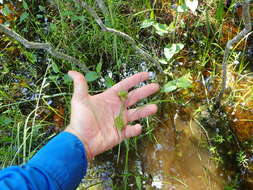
88,151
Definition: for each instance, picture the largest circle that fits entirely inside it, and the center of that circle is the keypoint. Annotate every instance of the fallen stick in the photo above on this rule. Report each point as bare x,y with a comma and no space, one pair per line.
128,38
248,27
101,5
45,46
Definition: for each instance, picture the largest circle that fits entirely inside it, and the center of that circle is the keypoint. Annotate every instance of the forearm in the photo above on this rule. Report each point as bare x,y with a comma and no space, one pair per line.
61,164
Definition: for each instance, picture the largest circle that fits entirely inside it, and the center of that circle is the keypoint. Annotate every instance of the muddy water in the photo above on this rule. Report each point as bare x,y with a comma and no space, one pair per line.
176,159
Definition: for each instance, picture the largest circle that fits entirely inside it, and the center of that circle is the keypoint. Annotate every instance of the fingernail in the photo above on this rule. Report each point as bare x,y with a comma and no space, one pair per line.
151,75
70,74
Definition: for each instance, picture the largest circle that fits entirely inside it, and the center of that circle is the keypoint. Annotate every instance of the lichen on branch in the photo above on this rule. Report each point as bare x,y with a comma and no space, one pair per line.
45,46
248,27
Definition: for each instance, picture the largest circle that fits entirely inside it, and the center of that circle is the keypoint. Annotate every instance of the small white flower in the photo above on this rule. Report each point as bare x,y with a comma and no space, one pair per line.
192,5
157,182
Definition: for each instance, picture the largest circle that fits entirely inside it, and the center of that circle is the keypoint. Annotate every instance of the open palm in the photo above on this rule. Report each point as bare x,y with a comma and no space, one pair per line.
92,117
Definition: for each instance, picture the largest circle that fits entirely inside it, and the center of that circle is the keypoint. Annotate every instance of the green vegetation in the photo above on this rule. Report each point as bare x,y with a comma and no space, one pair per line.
119,120
186,38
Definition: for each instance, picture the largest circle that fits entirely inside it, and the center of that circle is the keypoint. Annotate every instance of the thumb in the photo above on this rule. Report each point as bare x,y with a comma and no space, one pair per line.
80,85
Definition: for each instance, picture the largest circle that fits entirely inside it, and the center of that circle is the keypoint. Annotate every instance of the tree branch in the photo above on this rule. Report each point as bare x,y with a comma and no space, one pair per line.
229,46
128,38
45,46
102,6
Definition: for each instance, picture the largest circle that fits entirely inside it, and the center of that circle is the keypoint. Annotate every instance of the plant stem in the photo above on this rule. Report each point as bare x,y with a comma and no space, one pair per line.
101,5
229,46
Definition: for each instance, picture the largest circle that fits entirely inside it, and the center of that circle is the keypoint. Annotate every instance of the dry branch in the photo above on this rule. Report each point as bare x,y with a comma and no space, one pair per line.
45,46
128,38
102,6
229,46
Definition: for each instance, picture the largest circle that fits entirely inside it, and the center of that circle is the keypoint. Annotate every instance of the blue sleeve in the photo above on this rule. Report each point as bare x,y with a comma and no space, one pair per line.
60,165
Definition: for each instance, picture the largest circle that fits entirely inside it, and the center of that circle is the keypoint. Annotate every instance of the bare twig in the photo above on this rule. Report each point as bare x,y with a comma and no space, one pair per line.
45,46
229,46
102,6
128,38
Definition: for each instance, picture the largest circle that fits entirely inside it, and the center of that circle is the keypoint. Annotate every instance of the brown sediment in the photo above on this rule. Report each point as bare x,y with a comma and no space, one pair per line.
175,160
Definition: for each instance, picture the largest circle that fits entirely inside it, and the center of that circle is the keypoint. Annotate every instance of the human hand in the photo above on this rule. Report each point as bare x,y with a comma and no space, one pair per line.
92,117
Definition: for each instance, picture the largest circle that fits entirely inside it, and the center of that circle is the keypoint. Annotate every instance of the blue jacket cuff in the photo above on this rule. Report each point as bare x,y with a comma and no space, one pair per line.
63,159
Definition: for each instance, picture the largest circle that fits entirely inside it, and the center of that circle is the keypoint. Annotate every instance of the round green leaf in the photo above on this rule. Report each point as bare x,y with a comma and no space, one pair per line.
147,23
91,76
170,86
184,81
109,82
161,29
171,49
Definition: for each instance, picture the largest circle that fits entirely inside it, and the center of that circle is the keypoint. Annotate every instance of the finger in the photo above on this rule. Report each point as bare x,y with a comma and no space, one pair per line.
131,131
80,85
140,93
138,113
130,82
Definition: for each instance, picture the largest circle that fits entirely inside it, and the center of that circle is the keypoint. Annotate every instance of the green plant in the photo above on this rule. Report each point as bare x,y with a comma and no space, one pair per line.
242,159
219,139
180,83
